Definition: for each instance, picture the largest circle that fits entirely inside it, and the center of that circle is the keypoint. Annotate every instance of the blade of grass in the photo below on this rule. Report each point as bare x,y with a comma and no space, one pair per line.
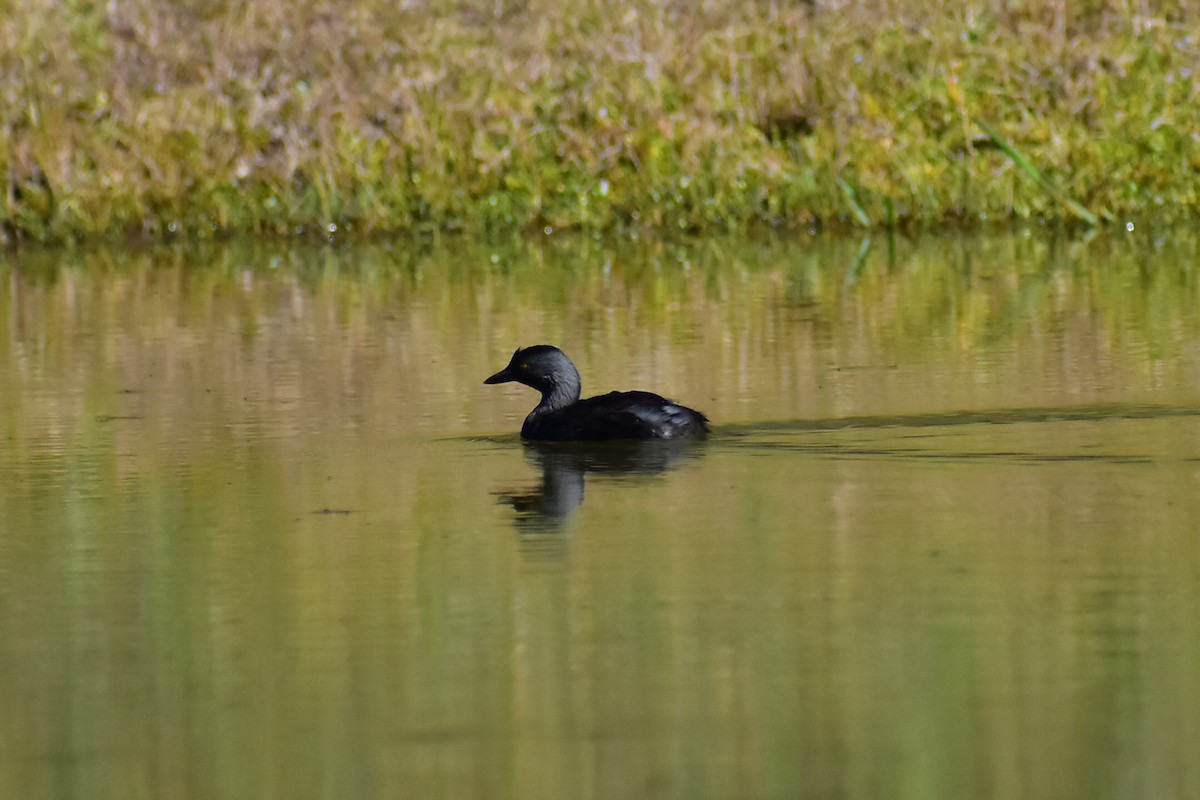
1029,169
852,198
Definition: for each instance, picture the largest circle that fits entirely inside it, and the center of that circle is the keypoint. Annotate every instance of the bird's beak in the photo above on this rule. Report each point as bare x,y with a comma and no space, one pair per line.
505,375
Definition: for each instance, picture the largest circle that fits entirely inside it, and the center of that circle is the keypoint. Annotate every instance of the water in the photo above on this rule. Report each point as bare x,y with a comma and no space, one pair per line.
264,533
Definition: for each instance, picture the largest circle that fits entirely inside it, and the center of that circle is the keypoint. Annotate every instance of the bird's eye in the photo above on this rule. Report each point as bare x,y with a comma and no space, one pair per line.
524,365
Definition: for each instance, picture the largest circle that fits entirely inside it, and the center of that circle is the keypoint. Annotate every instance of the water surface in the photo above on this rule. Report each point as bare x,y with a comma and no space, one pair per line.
264,533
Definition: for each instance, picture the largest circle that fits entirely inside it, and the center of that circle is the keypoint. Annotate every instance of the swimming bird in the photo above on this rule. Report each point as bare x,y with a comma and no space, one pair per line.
562,416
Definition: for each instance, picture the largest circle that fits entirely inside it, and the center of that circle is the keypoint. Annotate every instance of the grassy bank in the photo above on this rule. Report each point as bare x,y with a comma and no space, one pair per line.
165,118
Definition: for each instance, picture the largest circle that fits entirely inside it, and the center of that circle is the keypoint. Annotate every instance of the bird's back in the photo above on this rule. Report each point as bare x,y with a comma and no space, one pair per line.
618,415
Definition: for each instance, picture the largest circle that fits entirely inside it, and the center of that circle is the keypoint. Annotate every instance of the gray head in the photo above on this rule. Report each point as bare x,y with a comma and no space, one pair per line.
544,368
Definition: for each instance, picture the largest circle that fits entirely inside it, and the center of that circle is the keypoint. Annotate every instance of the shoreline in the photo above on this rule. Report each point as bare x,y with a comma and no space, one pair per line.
159,120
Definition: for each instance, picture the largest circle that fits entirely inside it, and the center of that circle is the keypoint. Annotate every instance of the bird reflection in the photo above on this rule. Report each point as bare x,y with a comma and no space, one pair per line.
546,506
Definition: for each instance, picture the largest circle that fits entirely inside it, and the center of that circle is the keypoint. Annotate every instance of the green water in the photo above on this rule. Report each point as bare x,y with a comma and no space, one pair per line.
264,533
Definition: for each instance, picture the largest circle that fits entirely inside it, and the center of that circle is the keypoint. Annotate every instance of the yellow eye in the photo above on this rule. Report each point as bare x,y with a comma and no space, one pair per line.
524,365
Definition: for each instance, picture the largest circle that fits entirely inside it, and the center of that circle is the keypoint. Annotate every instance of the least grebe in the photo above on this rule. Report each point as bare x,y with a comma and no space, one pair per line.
562,416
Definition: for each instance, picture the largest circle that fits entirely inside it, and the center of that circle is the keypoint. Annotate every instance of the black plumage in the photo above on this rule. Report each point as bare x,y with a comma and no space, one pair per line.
562,416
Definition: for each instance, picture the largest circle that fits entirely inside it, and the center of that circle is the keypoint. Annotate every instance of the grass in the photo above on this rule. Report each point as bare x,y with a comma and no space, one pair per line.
1029,169
200,117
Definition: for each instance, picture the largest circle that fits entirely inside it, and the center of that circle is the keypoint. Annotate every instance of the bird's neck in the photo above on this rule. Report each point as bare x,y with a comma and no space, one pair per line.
564,391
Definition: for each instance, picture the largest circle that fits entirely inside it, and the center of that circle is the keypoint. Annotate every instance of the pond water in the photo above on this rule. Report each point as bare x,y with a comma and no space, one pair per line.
265,533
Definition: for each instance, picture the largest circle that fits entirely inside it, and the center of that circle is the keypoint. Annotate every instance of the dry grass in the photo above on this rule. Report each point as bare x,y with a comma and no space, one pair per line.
186,118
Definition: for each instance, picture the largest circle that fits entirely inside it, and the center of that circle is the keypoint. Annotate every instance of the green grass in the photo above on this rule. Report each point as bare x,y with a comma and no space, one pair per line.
201,117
